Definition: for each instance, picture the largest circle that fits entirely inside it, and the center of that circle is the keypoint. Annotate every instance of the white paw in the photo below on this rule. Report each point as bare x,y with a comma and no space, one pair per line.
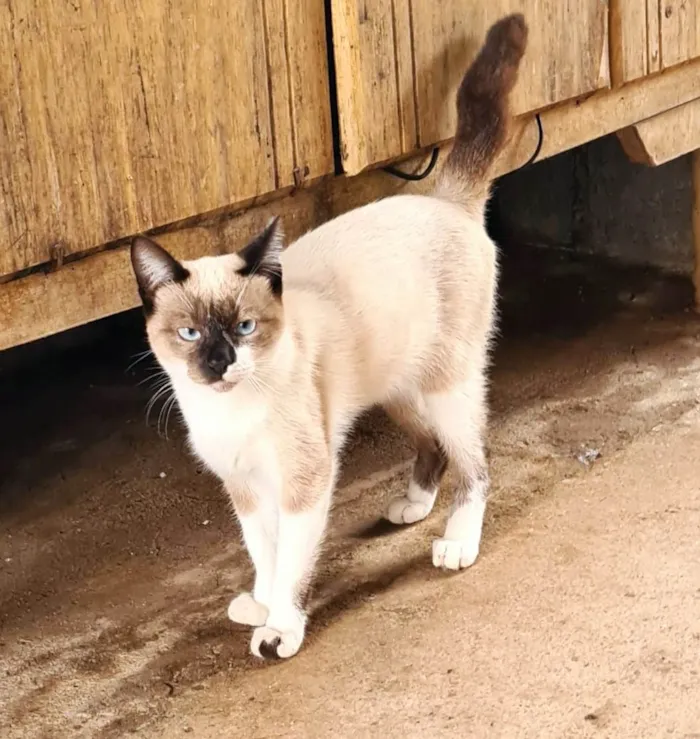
402,510
244,609
454,555
269,643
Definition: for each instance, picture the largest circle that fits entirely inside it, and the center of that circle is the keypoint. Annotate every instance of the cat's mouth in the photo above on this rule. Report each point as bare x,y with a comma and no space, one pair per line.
223,386
234,375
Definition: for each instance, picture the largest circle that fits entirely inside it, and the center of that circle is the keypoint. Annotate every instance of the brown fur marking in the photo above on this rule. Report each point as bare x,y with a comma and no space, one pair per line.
482,102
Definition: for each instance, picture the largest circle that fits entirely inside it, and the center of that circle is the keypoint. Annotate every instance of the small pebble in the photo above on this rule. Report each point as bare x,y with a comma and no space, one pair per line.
588,456
206,523
162,475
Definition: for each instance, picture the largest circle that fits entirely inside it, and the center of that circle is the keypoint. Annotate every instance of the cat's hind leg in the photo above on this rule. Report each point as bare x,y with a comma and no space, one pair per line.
458,417
428,469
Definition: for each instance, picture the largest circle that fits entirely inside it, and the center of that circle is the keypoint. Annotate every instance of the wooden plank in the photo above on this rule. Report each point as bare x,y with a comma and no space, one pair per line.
577,122
664,137
680,31
647,36
567,56
628,40
403,43
101,285
302,66
366,66
653,36
124,115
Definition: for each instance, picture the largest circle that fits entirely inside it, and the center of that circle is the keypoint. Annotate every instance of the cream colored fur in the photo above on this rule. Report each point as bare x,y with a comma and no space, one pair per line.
390,304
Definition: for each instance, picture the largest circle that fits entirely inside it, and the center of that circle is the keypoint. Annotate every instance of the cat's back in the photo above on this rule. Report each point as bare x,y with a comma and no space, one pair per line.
401,237
401,279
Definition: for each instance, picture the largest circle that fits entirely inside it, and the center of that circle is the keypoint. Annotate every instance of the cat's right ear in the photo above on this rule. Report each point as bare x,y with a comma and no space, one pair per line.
153,267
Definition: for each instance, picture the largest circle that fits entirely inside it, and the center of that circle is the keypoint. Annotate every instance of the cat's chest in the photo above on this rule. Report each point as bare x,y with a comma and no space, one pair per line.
231,439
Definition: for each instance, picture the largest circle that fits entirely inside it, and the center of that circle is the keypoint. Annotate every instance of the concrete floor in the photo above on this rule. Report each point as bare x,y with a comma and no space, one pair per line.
581,618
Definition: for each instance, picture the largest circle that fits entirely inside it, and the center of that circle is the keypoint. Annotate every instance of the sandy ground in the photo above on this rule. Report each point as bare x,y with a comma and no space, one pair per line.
581,618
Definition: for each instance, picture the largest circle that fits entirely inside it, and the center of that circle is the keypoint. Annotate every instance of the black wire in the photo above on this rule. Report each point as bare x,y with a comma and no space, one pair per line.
390,169
538,148
418,176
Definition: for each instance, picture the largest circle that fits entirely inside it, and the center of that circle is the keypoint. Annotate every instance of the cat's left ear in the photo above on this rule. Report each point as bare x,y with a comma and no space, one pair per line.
262,256
153,267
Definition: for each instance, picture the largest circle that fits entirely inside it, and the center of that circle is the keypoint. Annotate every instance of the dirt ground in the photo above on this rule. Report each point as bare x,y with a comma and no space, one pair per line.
581,618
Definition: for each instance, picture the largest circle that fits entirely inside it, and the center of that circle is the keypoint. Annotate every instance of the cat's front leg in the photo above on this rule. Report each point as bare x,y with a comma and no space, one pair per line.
257,515
302,523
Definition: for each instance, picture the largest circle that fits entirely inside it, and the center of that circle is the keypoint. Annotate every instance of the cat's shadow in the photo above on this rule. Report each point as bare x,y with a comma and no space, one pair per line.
376,530
340,604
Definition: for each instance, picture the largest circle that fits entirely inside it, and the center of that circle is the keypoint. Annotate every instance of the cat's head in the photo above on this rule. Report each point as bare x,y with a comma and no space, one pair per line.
212,320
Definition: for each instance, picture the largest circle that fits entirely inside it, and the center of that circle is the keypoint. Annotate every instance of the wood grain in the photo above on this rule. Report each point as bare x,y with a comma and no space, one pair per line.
653,36
119,116
629,57
665,136
679,31
567,56
650,35
101,285
577,122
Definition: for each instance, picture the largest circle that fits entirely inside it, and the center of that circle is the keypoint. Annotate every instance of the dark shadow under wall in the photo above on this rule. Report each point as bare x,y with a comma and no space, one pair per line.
593,199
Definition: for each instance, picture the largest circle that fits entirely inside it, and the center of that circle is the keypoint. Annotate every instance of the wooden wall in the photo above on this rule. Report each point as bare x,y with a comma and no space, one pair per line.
398,65
118,116
122,115
652,35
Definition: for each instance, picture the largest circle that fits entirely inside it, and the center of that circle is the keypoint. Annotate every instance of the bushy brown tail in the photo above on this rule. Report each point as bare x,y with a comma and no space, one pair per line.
483,112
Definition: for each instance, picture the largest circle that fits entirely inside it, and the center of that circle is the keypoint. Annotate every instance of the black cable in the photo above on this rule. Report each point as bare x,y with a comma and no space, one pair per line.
415,177
390,169
538,148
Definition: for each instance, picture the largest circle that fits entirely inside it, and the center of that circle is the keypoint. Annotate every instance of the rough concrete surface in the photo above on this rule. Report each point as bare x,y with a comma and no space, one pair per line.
580,619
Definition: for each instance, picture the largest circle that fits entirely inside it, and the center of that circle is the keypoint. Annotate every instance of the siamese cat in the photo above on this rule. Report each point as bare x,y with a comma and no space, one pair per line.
273,354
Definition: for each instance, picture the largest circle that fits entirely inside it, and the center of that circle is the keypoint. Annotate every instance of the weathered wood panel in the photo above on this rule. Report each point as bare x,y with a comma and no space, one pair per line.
101,285
679,31
630,34
399,63
665,136
649,35
117,115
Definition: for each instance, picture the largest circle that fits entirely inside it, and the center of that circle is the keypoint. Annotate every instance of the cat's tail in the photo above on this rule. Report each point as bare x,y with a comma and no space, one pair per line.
483,115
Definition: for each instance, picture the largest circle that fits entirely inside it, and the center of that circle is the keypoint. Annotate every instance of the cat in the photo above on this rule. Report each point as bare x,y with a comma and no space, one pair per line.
273,354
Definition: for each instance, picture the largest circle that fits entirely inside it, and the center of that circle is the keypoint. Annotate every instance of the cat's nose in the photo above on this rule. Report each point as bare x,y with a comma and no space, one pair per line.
220,358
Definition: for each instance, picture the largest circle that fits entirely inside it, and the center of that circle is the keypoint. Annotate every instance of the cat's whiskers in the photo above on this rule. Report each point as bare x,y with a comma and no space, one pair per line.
161,373
159,393
164,414
173,404
261,386
139,358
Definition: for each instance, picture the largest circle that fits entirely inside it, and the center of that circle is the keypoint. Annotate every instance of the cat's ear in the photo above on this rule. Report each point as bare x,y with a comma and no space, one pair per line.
262,256
153,267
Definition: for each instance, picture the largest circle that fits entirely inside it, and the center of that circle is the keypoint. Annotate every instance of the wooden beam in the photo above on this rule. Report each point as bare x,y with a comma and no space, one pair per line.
663,137
101,285
604,112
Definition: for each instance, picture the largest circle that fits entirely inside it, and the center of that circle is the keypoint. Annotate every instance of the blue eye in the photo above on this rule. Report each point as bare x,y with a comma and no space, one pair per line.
189,334
245,328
